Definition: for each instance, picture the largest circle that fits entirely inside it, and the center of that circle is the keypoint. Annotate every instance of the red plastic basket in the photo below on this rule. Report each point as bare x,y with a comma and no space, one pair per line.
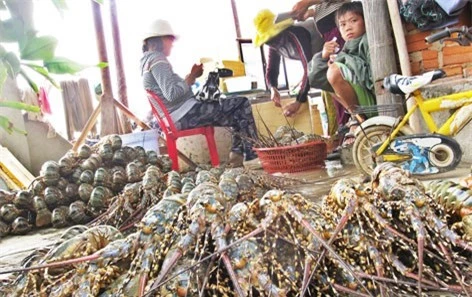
295,158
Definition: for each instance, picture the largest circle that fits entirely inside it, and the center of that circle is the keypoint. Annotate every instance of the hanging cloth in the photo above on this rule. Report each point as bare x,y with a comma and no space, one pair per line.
428,14
452,7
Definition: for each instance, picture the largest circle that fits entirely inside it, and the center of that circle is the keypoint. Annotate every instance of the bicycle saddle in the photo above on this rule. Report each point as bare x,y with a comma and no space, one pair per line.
401,84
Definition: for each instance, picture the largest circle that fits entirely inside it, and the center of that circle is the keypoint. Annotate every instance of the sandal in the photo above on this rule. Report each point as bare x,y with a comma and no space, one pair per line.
350,136
348,139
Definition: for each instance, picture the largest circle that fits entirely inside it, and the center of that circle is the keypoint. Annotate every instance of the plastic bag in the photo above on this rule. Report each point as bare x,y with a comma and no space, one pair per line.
426,14
452,7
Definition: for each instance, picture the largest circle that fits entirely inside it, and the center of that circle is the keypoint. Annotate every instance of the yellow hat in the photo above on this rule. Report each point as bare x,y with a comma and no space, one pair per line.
266,29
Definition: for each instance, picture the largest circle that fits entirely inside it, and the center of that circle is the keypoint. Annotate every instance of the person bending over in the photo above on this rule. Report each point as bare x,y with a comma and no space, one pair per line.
186,111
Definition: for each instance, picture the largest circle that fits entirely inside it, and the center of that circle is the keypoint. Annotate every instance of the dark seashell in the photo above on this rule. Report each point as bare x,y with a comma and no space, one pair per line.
62,183
87,177
119,158
217,171
43,218
53,196
153,178
229,186
141,154
84,151
142,166
39,203
85,190
106,152
100,197
130,152
174,184
117,168
204,176
60,217
187,179
6,197
133,192
72,191
119,180
152,157
23,199
9,212
166,163
92,163
133,172
38,187
50,173
66,165
75,177
20,226
245,183
187,187
169,192
116,142
78,212
102,178
4,229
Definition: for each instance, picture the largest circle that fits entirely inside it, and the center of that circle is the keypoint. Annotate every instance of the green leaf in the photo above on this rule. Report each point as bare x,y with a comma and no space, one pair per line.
3,75
102,65
8,126
31,83
19,106
43,72
99,1
12,30
60,4
60,65
39,48
12,64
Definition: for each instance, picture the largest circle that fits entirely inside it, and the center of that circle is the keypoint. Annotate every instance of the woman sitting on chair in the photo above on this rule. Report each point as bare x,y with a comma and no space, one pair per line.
186,111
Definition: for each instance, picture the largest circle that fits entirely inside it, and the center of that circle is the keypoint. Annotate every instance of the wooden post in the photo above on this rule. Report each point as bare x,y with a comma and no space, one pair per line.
402,55
120,72
381,46
109,124
122,87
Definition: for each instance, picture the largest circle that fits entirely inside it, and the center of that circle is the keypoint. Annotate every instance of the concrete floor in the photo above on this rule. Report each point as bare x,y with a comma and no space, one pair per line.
311,184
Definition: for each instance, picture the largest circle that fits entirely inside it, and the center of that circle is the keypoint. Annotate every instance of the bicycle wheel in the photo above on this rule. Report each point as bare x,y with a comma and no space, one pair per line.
361,150
445,156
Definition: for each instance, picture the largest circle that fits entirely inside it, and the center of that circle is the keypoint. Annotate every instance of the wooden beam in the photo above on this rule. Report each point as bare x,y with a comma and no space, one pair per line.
109,123
403,56
130,115
381,46
88,126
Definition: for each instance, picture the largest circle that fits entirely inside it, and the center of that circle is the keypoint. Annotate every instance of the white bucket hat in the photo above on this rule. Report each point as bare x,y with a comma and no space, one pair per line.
159,28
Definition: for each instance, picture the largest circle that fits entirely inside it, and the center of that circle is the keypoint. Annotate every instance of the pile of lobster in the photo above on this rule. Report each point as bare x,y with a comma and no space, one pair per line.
79,187
233,233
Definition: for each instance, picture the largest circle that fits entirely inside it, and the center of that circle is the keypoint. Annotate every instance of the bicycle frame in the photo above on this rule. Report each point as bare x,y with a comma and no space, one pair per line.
461,102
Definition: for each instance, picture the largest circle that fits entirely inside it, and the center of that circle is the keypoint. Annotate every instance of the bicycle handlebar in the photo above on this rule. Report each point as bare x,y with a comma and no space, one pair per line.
447,33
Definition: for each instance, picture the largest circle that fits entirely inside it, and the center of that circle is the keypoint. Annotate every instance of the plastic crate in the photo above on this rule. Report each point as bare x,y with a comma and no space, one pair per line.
295,158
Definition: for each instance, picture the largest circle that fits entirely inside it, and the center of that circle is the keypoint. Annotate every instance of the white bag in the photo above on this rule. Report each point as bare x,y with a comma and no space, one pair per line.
452,7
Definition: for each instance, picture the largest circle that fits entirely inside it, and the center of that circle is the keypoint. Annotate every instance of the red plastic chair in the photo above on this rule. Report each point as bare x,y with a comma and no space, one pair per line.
172,134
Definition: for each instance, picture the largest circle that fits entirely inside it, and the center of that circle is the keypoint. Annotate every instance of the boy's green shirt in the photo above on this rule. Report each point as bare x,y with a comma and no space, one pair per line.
356,57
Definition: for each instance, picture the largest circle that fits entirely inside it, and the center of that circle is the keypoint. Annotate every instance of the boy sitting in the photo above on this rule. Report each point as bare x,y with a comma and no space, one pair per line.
347,71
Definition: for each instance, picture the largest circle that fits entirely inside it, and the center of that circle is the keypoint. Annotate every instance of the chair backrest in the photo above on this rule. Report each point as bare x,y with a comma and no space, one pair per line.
162,115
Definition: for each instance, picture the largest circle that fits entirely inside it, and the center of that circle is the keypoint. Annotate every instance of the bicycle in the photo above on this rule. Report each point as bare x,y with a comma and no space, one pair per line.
390,139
